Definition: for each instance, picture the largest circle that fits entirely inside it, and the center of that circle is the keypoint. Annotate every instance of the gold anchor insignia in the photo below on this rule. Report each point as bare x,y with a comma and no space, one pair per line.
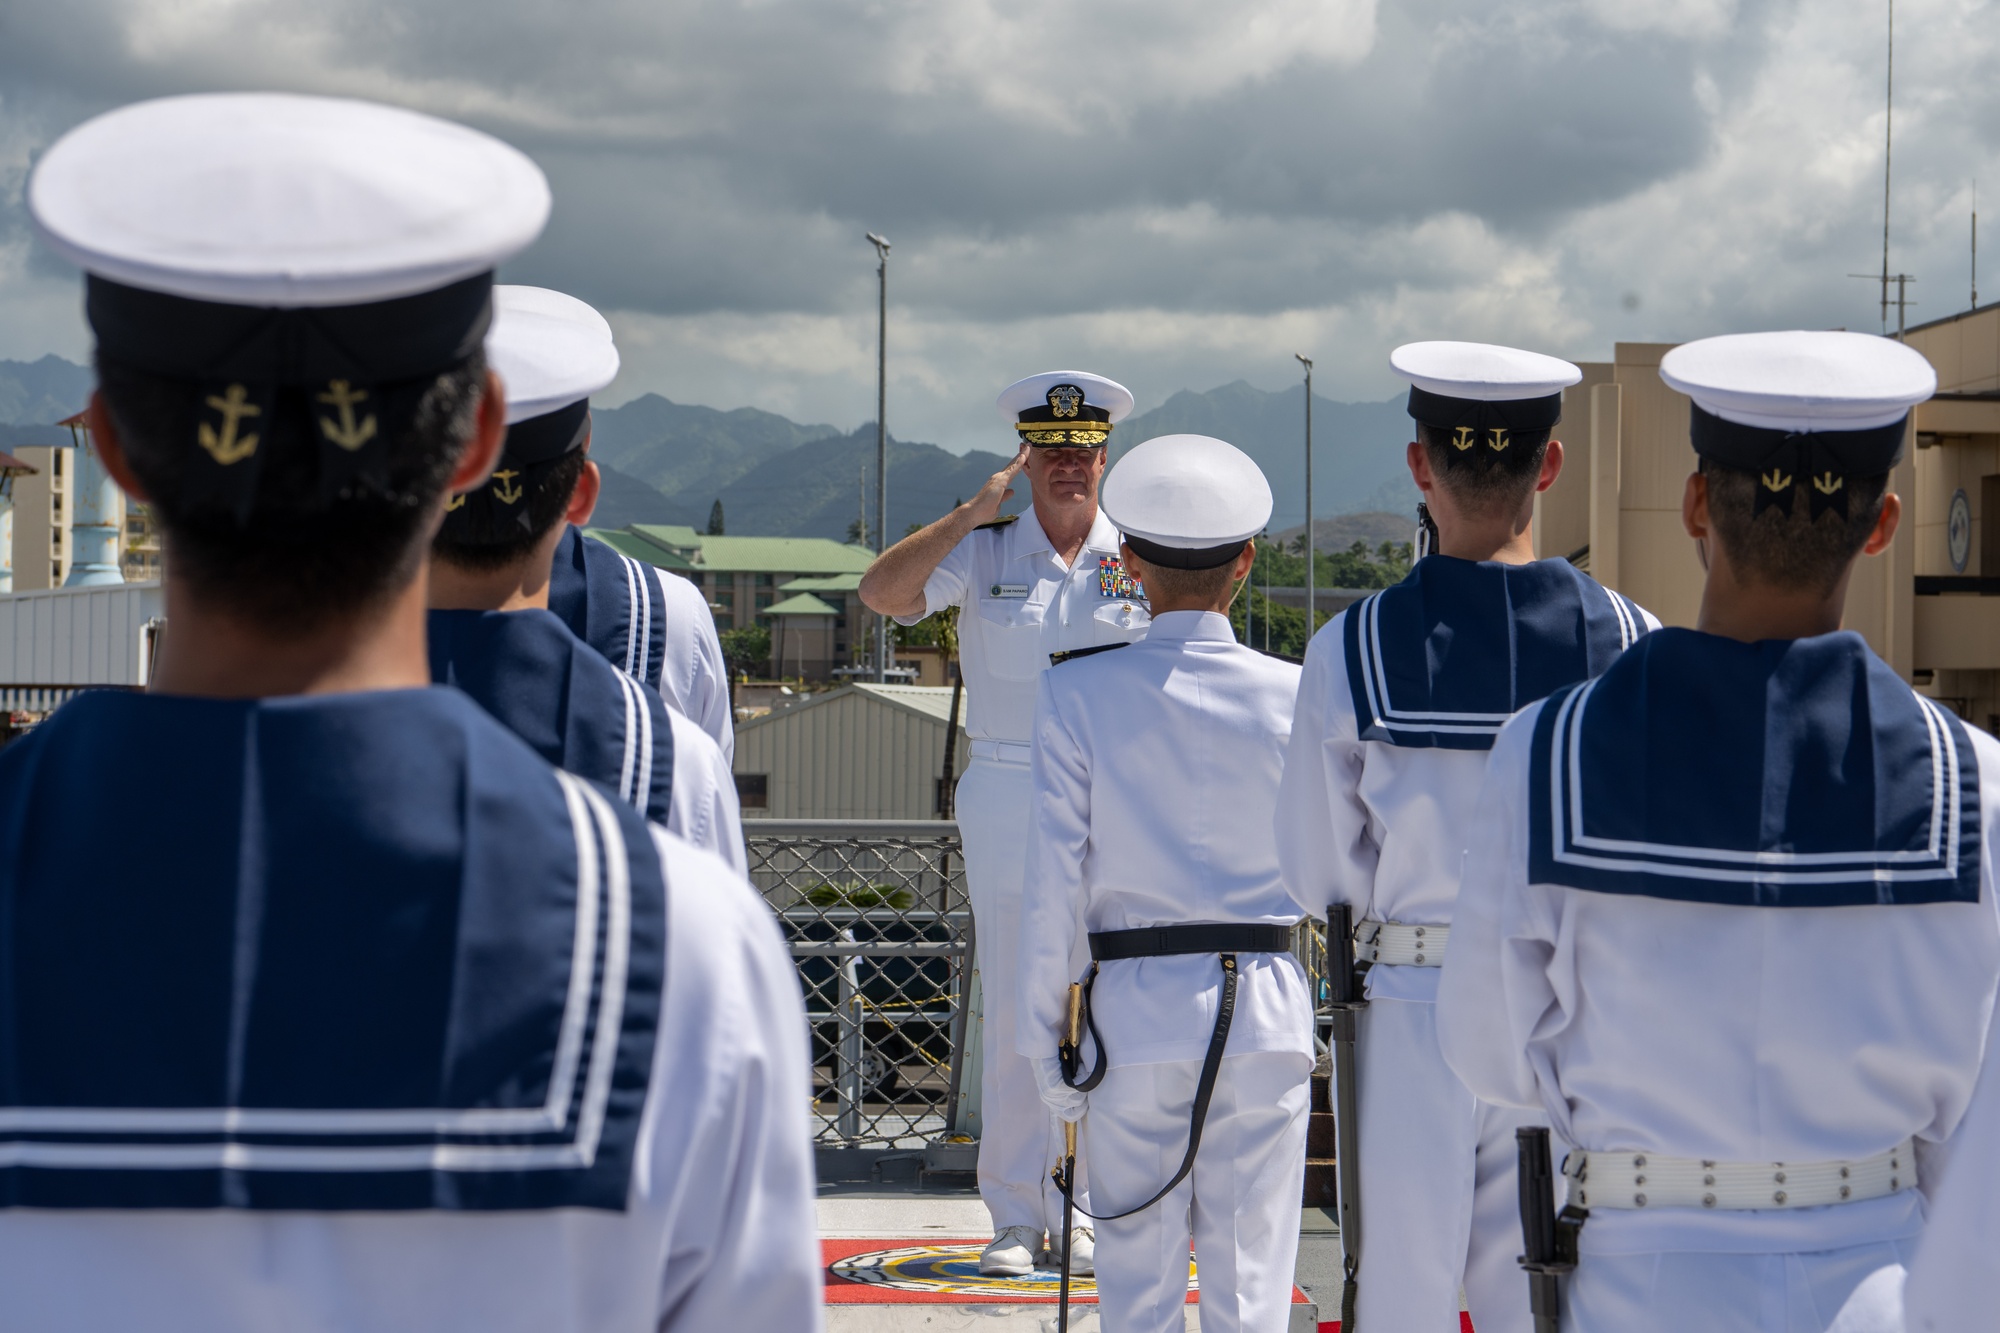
1775,480
506,492
456,502
1064,400
1462,440
344,399
1496,440
229,447
1828,484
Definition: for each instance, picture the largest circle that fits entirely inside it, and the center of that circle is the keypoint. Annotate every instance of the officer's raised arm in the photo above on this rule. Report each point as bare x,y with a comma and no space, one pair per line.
894,585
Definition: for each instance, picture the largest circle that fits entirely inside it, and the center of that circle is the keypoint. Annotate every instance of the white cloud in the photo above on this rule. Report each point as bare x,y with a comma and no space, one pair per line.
1176,193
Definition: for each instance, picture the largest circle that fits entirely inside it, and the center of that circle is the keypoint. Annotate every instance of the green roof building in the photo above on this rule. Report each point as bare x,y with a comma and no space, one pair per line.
790,584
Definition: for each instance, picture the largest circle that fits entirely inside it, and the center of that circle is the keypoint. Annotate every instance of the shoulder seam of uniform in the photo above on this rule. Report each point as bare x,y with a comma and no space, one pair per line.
997,523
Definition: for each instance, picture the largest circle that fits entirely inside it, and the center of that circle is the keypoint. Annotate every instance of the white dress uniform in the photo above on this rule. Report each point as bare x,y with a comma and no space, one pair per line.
1952,1284
528,668
1019,603
1155,768
370,1018
1728,915
1401,697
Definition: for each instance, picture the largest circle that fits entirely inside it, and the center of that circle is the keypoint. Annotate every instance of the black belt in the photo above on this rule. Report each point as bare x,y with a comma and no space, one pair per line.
1166,941
1163,942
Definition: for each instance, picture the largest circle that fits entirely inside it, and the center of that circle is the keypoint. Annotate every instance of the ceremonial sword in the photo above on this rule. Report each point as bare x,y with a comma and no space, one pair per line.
1344,992
1072,1044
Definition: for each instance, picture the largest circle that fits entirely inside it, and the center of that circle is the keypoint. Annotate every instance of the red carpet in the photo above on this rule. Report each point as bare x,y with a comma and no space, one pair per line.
1464,1324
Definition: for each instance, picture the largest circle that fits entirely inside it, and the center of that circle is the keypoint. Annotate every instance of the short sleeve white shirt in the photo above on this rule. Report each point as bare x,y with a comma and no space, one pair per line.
1020,604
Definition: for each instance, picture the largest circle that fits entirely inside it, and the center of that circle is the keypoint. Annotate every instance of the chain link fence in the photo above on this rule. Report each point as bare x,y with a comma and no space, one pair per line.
876,917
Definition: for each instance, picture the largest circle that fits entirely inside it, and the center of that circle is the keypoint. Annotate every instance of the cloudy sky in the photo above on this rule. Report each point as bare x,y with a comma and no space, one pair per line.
1176,193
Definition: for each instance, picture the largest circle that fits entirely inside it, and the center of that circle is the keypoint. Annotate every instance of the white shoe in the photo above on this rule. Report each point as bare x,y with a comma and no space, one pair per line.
1011,1253
1082,1252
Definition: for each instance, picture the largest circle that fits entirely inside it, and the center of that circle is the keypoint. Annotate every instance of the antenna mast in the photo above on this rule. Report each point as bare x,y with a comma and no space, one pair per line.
1888,140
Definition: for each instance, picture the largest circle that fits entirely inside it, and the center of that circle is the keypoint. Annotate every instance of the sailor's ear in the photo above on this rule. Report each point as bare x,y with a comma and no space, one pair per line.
1552,466
583,500
1694,506
110,448
489,437
1885,527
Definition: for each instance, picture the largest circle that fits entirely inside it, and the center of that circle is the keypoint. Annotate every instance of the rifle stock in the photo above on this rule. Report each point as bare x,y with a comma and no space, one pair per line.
1346,1002
1549,1239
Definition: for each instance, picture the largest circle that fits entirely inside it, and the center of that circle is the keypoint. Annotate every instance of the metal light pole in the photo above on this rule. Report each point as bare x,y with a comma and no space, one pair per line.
881,441
1312,580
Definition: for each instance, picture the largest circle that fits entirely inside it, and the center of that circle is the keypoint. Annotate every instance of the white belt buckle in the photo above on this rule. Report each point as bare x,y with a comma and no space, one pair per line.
1395,944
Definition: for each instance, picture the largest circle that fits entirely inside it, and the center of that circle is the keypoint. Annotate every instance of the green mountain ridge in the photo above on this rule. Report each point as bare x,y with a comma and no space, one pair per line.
668,462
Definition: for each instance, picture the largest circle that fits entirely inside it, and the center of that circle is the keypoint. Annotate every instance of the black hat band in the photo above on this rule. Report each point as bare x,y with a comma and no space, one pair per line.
1477,432
545,438
342,380
1180,557
1780,459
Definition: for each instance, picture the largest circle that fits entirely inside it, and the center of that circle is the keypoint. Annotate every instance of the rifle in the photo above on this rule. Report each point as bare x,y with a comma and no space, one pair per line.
1550,1240
1344,988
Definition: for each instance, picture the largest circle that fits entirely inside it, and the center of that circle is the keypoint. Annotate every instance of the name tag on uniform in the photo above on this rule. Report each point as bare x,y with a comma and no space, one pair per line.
1016,590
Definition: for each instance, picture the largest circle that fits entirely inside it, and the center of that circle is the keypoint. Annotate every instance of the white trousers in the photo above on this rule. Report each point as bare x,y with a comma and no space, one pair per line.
1020,1140
1241,1200
1440,1205
1717,1293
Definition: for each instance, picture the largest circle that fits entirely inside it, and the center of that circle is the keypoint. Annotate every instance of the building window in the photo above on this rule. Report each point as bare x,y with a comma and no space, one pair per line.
766,600
753,791
56,462
766,580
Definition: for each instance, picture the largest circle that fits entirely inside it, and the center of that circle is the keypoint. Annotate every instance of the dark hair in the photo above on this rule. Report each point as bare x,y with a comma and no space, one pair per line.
296,560
1174,585
1790,550
485,534
1482,480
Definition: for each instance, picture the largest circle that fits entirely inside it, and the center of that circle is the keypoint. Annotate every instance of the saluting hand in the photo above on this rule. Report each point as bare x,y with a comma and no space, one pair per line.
998,490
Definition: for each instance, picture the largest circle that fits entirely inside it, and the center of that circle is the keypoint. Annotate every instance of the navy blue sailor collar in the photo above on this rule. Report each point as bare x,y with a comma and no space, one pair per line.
552,690
384,958
1445,657
1787,773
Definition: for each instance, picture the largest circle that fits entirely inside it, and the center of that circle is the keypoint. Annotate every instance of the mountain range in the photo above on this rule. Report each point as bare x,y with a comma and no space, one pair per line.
667,462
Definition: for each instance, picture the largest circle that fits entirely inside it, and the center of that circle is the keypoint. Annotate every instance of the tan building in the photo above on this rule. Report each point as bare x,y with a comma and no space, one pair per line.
1924,604
42,517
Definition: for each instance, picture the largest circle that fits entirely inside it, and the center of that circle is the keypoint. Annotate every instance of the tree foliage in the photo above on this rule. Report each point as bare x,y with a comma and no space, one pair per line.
747,650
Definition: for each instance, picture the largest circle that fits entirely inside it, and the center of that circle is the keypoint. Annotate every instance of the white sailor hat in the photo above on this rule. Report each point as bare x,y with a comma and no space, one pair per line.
1471,388
1801,406
550,349
1186,501
274,199
1065,408
312,263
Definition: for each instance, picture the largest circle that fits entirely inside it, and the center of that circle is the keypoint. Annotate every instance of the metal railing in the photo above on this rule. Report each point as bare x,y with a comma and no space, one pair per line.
876,917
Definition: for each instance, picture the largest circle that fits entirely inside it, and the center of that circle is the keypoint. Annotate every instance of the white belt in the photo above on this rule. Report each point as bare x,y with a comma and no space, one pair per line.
1003,752
1648,1180
1399,945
